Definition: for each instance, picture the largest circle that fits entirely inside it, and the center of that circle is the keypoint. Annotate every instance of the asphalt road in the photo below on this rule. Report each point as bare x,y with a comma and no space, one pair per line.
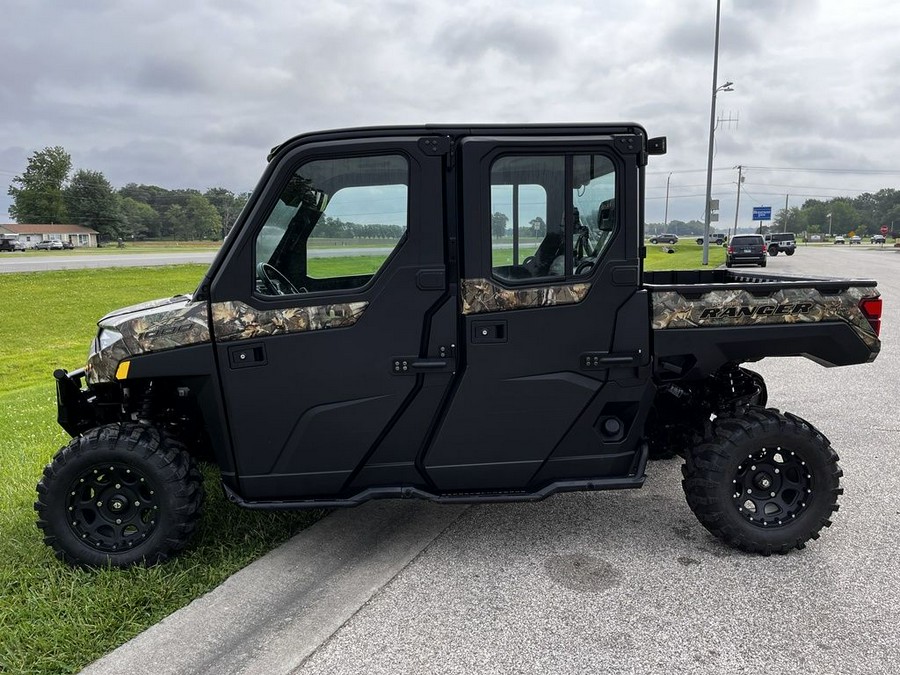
65,260
608,582
629,582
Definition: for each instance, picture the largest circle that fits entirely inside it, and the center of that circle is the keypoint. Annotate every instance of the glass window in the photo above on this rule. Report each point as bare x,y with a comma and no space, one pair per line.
335,224
594,209
529,226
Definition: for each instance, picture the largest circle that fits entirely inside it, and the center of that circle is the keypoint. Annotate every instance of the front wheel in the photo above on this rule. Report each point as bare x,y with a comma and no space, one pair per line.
789,252
119,495
763,482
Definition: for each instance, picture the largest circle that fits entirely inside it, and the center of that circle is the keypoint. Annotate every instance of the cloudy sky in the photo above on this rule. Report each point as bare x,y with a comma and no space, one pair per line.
194,93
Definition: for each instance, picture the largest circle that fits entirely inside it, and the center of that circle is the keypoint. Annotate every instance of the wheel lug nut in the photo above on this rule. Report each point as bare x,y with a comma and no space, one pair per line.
118,521
772,494
99,504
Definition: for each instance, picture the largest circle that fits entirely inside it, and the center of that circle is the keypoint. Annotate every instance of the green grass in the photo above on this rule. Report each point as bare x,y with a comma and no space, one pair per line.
687,256
54,619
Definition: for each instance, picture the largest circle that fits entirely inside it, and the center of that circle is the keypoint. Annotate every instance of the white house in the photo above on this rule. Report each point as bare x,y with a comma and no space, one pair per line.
77,235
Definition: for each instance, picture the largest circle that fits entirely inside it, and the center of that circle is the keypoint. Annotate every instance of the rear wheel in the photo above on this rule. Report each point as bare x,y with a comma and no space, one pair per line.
119,495
763,482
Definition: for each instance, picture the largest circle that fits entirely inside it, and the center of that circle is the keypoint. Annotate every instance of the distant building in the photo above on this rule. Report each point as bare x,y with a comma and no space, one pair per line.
78,236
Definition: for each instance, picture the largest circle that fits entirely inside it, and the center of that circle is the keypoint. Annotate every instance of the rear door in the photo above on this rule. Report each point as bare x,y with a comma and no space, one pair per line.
332,319
554,326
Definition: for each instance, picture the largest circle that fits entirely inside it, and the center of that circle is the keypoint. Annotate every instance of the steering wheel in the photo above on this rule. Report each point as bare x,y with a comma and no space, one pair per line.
275,281
585,266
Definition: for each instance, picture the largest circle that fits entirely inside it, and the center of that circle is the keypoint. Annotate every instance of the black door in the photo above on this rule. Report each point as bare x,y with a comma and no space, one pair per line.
554,327
333,322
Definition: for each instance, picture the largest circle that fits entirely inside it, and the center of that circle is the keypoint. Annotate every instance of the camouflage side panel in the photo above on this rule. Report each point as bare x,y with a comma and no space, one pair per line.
738,307
481,295
239,321
149,328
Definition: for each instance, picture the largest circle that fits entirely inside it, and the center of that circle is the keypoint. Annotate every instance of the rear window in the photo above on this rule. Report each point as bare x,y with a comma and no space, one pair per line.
747,240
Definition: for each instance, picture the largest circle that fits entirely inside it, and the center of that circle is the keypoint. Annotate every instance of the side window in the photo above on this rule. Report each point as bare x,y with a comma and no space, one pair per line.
533,215
593,208
334,226
527,228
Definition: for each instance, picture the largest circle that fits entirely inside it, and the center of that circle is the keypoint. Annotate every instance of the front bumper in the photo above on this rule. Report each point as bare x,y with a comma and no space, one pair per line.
75,411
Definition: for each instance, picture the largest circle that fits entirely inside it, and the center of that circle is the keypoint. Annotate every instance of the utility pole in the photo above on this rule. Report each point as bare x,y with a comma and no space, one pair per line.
786,197
666,218
712,132
737,208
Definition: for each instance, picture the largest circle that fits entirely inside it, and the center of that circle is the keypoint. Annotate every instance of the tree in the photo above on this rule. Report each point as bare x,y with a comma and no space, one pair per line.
498,224
795,222
90,201
139,219
538,227
38,193
203,221
227,204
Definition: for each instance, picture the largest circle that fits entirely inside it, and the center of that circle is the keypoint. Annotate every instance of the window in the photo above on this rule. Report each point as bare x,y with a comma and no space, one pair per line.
533,215
335,224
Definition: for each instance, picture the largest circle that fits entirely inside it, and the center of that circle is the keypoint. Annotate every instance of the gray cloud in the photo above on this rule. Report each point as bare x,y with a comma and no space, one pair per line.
194,94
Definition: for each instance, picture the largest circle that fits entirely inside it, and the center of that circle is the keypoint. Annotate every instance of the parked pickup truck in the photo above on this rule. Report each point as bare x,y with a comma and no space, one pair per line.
458,362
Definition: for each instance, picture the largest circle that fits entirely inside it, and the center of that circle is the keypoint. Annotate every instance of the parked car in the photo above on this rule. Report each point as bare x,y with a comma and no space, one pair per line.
839,239
49,245
68,245
855,240
746,249
717,239
664,239
781,242
877,239
11,243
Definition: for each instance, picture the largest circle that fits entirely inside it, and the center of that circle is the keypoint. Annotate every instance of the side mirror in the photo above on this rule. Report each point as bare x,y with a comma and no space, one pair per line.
656,146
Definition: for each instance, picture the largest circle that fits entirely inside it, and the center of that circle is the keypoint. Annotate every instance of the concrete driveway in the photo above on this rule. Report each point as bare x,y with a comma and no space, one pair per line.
614,582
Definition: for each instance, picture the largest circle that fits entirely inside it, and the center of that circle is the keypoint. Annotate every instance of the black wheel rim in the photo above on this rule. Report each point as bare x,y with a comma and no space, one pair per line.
772,487
112,507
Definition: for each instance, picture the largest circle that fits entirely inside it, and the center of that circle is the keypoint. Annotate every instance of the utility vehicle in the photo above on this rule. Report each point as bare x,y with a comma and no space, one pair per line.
493,338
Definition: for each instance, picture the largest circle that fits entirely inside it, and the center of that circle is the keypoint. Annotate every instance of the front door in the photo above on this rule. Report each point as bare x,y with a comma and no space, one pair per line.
332,320
554,328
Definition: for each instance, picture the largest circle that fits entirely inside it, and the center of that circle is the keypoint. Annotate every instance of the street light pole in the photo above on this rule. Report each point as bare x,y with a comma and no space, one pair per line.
712,132
666,217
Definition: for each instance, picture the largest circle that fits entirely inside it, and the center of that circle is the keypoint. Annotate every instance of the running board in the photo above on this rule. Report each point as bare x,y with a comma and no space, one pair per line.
618,483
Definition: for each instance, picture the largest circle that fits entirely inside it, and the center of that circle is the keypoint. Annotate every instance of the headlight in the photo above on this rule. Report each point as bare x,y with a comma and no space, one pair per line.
107,337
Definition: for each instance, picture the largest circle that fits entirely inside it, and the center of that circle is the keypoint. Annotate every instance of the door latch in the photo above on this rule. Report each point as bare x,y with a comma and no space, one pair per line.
244,356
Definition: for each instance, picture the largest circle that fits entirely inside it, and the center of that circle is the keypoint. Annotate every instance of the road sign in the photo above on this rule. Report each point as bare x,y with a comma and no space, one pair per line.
884,229
762,213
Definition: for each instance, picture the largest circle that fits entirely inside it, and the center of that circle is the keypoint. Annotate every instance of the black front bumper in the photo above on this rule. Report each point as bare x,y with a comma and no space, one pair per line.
74,410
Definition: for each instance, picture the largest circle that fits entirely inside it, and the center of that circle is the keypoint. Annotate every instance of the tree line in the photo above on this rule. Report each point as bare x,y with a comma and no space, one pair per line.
49,191
863,215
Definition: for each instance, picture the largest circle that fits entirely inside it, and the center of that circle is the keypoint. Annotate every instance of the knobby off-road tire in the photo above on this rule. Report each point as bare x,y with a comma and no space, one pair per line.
763,482
119,495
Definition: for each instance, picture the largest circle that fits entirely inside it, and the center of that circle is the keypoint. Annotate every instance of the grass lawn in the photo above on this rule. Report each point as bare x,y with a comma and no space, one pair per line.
687,256
55,619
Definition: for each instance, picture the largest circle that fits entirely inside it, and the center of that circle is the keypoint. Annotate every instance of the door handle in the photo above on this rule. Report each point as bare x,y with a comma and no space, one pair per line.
409,365
245,356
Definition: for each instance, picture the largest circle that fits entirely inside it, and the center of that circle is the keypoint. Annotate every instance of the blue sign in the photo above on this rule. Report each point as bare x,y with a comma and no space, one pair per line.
762,213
